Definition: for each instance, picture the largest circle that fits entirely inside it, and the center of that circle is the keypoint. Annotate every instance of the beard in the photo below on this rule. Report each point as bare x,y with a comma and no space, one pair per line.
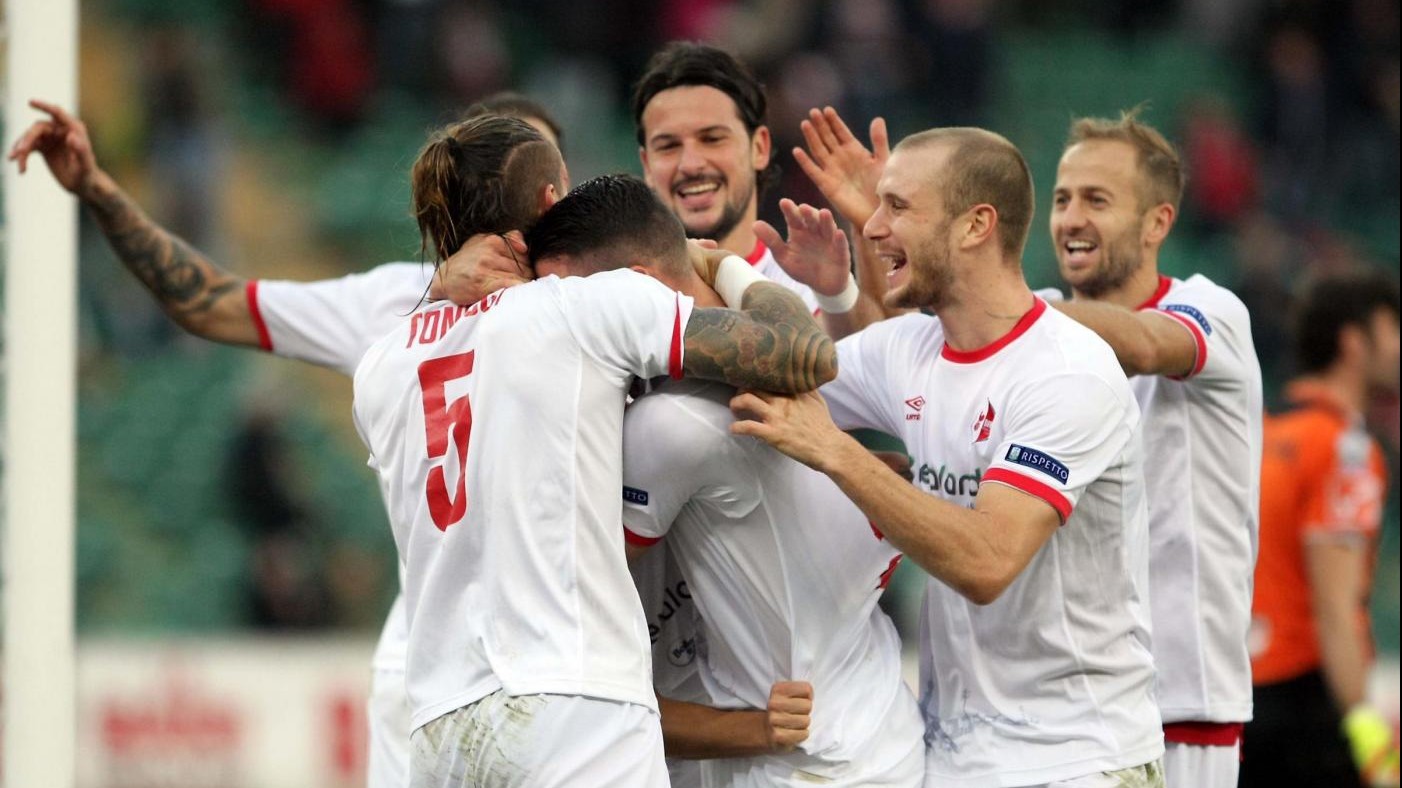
931,282
730,215
1122,258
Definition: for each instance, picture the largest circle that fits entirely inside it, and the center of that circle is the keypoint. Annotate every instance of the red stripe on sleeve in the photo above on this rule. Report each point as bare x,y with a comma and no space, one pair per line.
638,540
1203,734
1032,487
674,362
1198,339
265,340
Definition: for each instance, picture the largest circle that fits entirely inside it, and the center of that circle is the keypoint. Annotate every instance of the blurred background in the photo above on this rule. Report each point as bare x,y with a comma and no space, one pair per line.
226,520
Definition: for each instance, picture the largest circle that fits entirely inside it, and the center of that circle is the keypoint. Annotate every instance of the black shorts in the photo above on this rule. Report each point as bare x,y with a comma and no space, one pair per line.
1295,738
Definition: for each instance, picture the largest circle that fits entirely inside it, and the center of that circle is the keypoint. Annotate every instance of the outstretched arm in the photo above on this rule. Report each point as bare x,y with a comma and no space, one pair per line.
694,731
1145,342
201,297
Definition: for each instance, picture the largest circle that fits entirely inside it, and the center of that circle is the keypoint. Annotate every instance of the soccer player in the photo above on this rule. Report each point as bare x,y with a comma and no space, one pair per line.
1187,345
528,652
785,569
1323,483
331,323
1035,656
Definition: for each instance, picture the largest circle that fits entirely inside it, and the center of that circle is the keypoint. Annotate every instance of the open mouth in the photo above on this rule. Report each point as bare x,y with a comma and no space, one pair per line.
1079,251
697,194
894,260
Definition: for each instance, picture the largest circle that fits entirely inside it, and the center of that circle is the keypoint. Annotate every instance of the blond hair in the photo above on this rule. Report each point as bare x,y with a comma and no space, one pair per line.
1160,165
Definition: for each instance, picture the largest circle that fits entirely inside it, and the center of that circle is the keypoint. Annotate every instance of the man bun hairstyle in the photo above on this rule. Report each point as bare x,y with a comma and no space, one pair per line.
983,168
609,222
686,63
480,175
1159,162
1333,302
515,105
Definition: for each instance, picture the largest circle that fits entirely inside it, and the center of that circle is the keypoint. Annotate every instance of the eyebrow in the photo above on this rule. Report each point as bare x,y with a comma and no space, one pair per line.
703,130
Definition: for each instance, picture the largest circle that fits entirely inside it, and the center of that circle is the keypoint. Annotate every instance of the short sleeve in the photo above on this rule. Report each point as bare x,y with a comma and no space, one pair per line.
859,397
1348,497
1062,436
1220,327
675,450
628,321
332,322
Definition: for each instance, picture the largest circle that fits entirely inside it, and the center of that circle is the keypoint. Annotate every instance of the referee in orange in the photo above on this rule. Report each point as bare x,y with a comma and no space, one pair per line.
1323,483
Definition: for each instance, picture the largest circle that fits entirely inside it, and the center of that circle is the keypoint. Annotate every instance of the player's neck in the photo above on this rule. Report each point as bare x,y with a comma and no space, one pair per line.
1345,384
741,239
983,312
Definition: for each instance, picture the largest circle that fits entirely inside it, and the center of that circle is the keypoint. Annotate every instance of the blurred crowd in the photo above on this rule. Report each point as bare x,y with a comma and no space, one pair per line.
1293,168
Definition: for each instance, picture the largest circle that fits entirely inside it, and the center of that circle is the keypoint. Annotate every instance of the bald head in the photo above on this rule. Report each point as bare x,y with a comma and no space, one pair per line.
977,167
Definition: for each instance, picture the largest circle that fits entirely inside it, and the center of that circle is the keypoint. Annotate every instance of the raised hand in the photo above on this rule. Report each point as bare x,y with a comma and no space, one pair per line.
484,265
841,166
816,252
63,142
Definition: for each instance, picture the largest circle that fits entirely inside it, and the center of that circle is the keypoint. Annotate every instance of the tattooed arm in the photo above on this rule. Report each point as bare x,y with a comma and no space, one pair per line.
772,343
201,297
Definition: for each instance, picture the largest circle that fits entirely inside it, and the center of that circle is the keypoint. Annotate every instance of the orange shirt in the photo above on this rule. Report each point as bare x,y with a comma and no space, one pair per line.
1322,476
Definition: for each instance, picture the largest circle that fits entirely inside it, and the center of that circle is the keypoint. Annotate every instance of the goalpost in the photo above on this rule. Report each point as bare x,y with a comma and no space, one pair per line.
39,369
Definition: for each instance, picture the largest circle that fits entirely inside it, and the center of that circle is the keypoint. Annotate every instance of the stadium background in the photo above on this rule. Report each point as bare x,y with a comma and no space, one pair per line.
230,541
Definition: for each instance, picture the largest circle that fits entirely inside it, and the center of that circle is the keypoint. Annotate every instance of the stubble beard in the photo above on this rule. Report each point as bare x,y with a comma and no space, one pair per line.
1122,259
729,218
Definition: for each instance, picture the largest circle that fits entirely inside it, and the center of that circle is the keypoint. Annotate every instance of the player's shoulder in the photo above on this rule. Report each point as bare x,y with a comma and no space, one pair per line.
1062,344
911,332
687,403
406,273
1199,291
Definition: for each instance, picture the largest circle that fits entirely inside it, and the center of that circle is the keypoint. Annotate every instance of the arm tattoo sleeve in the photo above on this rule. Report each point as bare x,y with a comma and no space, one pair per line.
771,344
185,282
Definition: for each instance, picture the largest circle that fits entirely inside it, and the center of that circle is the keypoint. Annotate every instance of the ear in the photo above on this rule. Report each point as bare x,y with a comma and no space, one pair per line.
1353,342
548,197
980,225
761,147
1157,222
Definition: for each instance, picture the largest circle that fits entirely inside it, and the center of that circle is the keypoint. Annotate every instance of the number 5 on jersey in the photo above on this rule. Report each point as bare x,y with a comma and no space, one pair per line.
442,419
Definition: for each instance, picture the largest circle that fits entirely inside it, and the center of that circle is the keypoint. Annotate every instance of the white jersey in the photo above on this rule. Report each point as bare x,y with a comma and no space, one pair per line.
496,431
1202,442
1054,679
331,323
785,570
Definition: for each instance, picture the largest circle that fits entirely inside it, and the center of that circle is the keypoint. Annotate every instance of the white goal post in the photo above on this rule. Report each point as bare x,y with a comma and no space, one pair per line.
39,369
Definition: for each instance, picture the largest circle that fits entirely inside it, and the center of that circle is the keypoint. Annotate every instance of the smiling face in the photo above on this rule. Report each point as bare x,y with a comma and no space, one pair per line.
1098,221
911,229
700,160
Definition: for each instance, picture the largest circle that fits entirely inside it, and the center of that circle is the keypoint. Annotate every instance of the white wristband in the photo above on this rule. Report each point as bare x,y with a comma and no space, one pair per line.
842,302
733,277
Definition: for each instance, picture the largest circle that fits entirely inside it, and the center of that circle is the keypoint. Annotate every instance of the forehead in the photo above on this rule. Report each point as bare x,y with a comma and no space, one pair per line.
912,172
688,109
1098,163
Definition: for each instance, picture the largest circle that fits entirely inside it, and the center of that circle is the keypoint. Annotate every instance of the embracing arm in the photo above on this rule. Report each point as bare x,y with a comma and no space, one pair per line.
771,343
694,731
1145,342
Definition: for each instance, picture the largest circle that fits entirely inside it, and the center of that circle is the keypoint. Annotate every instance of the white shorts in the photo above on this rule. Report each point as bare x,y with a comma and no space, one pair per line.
387,760
540,741
1200,766
1150,775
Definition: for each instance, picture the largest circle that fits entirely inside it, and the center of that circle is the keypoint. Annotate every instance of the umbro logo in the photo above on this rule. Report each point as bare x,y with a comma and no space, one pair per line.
915,404
983,427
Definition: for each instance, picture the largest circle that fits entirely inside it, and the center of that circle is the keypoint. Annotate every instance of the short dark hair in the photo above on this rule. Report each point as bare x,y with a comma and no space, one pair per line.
608,222
514,105
481,175
983,168
684,63
1333,302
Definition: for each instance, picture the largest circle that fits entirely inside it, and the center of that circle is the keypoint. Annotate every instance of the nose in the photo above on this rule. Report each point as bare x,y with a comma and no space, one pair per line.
876,227
1070,216
691,162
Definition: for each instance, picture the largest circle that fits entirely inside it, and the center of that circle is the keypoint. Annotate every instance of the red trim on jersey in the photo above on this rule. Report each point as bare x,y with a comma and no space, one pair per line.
757,253
674,359
638,540
1204,734
1198,339
265,340
1165,284
1039,307
1032,487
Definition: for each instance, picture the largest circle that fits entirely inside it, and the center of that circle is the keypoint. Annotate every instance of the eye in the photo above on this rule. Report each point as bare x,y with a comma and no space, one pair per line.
1098,201
1060,200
